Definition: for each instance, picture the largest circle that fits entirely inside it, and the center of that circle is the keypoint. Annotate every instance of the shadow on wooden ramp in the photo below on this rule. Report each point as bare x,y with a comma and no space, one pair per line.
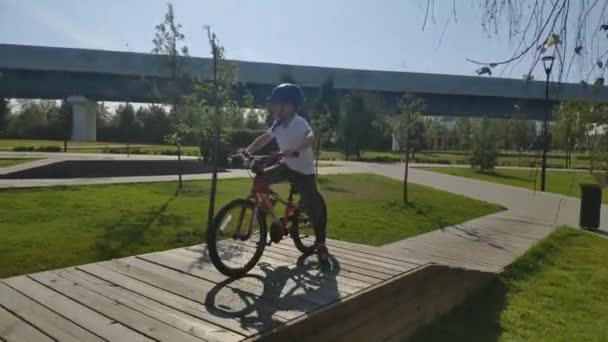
390,311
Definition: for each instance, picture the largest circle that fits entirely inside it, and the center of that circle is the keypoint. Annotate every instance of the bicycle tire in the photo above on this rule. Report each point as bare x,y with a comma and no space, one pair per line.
212,240
294,231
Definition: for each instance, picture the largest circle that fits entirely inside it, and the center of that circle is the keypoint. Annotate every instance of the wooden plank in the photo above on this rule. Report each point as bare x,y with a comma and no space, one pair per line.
345,273
465,255
349,283
283,284
346,270
113,309
195,307
226,293
379,255
44,319
156,310
272,281
12,328
194,262
73,311
377,251
361,264
370,263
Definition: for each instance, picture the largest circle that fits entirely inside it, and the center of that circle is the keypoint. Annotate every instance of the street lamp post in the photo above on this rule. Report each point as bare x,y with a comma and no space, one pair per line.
548,64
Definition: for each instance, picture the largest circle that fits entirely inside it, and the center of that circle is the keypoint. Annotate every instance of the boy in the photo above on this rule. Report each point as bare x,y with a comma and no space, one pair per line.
293,134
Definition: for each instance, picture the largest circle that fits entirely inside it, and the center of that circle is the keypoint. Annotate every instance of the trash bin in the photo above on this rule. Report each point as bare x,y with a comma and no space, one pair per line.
591,205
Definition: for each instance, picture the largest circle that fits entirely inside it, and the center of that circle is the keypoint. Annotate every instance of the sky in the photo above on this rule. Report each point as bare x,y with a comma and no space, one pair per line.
362,34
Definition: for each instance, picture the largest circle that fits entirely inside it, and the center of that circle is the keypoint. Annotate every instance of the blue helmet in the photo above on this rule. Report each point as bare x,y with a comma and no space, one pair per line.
287,93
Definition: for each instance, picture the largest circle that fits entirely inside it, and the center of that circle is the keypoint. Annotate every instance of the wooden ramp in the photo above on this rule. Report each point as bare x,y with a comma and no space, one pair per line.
178,295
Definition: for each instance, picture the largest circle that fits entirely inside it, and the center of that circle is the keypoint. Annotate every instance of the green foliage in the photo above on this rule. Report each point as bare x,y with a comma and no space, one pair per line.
408,126
554,292
463,132
167,42
434,130
523,133
40,119
359,112
569,128
485,152
5,112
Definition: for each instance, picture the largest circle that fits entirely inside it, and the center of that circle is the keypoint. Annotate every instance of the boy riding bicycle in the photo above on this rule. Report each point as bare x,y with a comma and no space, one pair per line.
295,138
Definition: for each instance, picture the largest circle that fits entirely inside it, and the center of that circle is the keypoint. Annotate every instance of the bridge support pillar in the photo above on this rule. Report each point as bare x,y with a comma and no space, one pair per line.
84,119
396,147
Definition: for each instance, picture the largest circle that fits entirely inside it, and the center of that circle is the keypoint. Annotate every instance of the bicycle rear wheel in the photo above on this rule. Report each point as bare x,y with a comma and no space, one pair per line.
234,249
302,232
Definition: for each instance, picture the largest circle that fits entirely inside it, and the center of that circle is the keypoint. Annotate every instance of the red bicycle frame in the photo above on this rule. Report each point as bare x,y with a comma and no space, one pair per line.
261,194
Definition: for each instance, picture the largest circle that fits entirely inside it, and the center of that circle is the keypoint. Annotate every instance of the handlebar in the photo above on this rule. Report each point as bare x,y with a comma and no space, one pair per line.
261,164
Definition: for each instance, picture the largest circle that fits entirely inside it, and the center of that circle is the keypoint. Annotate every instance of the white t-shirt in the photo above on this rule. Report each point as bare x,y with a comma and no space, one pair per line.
291,137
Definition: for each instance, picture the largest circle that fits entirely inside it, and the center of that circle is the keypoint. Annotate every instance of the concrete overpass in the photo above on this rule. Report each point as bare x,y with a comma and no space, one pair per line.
85,76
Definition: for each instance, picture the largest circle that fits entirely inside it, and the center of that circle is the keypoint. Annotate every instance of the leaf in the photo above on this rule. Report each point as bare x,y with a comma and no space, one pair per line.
604,27
552,40
578,49
600,64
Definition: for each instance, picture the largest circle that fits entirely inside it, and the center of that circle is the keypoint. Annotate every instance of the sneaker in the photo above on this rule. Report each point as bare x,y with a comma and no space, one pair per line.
323,256
275,232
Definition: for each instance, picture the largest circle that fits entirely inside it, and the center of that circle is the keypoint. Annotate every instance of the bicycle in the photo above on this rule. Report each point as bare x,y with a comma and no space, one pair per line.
250,231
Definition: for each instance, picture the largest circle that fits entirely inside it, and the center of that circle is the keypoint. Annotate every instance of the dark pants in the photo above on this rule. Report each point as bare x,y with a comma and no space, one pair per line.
310,198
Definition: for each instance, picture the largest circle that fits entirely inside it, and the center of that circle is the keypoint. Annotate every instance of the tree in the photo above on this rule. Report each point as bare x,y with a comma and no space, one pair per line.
5,112
485,151
463,132
358,114
569,128
434,132
175,139
224,82
31,120
326,108
405,127
128,127
523,134
64,122
155,123
168,42
543,27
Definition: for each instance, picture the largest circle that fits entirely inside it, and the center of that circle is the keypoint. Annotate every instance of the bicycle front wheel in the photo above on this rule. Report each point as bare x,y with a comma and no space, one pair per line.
302,231
237,238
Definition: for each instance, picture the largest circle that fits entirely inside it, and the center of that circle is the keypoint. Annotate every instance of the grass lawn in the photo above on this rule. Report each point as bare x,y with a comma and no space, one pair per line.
555,292
6,162
560,182
48,228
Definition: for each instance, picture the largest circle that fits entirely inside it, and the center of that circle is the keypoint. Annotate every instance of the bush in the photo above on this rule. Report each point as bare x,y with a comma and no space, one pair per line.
23,148
49,149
